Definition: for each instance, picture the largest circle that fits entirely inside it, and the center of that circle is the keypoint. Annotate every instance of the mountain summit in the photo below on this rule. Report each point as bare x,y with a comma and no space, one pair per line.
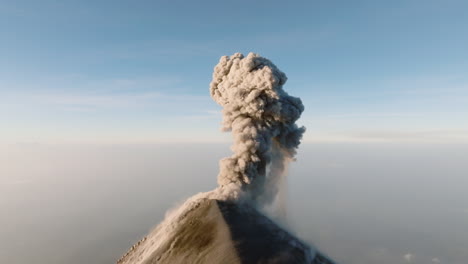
215,231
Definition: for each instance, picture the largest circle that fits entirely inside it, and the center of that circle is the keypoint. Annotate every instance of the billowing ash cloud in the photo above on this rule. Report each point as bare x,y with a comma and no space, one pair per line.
223,225
261,116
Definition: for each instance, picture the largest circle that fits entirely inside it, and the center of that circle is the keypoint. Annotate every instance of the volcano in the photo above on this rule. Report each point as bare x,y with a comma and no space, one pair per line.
215,231
225,225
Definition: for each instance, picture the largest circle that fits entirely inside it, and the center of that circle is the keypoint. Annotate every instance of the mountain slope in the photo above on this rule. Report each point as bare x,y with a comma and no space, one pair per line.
214,231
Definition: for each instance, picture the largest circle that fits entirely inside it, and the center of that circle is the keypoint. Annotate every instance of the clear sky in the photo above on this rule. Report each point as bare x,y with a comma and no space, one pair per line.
139,71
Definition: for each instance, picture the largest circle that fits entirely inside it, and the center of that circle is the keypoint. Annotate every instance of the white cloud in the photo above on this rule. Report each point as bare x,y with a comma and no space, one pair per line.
435,260
84,100
77,93
417,136
408,257
17,182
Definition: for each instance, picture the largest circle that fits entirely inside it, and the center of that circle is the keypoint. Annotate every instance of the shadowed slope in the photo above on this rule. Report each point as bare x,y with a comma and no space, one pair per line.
257,239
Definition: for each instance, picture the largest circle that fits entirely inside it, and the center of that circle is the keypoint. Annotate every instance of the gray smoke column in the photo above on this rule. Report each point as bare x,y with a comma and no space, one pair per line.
261,116
225,225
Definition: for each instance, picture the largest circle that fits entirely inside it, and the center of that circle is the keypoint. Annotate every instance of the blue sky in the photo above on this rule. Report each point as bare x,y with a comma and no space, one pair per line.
139,71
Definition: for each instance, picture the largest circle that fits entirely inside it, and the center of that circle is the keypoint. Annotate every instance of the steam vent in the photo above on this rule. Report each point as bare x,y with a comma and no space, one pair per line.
214,231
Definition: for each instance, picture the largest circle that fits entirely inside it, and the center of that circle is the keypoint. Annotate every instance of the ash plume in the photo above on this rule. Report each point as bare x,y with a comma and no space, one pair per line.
261,116
225,225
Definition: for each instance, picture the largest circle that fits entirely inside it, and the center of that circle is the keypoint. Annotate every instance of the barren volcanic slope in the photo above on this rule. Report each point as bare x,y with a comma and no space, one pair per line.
223,225
215,231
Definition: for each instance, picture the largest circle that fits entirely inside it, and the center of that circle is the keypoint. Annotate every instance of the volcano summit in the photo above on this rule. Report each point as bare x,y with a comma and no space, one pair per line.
226,225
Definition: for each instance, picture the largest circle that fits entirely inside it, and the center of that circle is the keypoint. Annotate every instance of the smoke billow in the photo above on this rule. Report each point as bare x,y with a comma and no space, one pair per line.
223,225
261,116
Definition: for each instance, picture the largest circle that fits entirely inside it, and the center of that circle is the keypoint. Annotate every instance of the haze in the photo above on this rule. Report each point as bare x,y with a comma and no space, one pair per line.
360,203
106,122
